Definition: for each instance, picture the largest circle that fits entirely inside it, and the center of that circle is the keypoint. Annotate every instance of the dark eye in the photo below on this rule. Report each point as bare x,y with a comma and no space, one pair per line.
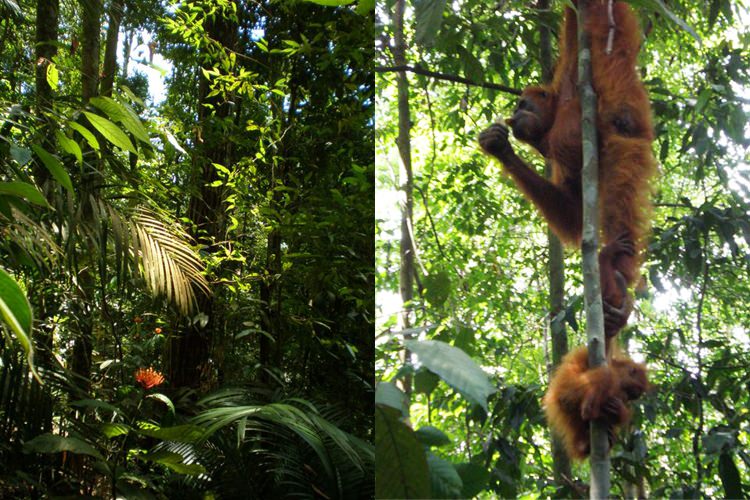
543,94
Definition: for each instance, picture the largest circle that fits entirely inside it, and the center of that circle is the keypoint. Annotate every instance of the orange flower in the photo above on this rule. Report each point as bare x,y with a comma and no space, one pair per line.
148,378
157,330
137,319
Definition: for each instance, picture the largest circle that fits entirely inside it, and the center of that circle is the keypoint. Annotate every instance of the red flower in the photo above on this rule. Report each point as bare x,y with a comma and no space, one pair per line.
157,330
148,377
137,319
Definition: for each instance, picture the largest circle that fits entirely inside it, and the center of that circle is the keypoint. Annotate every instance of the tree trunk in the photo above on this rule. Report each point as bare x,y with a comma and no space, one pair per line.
47,12
600,480
90,26
189,354
110,51
406,177
82,349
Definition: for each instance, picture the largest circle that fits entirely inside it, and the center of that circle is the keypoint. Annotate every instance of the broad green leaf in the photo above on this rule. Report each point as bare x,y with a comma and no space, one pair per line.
437,287
425,381
386,393
445,481
54,166
182,433
473,477
112,430
86,133
173,141
400,464
432,436
69,146
123,114
331,3
164,399
53,77
53,443
429,18
21,155
365,6
111,132
174,461
455,367
24,190
17,314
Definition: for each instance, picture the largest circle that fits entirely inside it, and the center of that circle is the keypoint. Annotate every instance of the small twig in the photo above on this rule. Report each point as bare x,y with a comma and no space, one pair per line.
612,26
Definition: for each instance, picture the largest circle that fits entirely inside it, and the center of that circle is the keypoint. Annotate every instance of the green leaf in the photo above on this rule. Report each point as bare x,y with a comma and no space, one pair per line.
386,393
455,367
446,483
21,155
24,190
53,443
429,18
364,7
331,3
53,77
164,399
54,166
658,5
173,461
111,430
474,479
86,133
69,146
182,433
437,288
124,114
425,381
111,132
17,314
432,436
400,464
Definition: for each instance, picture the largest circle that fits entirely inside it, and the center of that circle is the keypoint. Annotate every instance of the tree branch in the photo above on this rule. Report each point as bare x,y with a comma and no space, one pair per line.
444,76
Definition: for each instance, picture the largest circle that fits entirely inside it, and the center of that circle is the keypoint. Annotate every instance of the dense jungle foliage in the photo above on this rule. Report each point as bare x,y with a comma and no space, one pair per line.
464,330
186,280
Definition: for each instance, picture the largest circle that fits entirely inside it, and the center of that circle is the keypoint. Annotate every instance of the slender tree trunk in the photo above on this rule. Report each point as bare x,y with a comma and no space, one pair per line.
47,12
560,461
109,70
406,276
126,46
82,349
189,353
90,27
600,480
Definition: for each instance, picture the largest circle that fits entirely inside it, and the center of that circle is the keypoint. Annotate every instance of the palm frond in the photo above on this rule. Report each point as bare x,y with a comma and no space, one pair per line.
299,449
37,241
170,266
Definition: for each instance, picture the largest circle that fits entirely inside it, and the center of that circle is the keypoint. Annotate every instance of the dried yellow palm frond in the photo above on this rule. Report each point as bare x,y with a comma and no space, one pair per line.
169,265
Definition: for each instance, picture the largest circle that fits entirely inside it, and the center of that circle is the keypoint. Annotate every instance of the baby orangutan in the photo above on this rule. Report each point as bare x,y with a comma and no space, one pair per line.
577,395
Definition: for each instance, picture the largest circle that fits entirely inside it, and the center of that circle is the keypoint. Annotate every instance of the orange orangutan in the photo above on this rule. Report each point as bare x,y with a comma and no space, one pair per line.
577,395
549,119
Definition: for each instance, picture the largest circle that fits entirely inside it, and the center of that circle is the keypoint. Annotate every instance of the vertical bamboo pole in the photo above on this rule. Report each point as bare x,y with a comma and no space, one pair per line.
600,480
